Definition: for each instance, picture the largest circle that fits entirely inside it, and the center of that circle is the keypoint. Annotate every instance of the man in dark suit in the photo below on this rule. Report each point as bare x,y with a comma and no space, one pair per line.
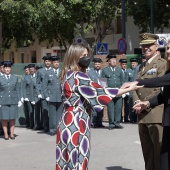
52,92
150,121
95,73
114,76
40,77
126,98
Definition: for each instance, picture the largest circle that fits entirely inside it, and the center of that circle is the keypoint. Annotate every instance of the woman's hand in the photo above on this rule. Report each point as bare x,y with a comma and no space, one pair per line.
128,84
140,106
134,86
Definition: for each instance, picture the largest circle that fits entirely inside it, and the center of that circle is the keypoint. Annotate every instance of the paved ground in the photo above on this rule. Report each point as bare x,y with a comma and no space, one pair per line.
110,150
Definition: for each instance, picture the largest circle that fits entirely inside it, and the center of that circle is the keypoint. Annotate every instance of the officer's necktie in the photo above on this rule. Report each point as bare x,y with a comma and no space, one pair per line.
56,73
8,77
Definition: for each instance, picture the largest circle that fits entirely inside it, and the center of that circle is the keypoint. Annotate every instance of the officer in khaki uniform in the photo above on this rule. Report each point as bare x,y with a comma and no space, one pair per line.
150,120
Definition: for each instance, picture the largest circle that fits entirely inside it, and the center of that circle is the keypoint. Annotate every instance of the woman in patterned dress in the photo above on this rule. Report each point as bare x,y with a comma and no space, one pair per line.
78,91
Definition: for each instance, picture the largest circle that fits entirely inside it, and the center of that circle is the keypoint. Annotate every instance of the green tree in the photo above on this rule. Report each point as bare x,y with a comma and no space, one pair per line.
140,10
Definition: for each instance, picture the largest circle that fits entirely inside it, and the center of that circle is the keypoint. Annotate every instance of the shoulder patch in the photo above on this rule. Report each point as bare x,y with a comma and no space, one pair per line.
161,59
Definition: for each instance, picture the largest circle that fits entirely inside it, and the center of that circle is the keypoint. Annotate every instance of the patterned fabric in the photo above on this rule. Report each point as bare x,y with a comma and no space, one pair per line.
73,132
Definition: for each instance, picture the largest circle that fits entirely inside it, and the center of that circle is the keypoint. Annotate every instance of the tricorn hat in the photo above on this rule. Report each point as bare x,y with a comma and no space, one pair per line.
7,63
46,58
54,58
133,60
31,65
109,56
97,60
123,60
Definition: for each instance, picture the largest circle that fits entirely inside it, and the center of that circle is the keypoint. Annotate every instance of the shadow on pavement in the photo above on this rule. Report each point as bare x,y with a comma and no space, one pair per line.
116,168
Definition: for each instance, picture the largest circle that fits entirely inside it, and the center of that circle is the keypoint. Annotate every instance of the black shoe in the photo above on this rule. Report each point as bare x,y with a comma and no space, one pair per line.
119,127
37,128
46,130
27,126
101,126
52,134
6,138
111,127
12,138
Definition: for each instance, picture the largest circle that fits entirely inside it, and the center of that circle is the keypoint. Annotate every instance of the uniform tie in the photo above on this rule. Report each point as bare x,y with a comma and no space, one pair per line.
56,73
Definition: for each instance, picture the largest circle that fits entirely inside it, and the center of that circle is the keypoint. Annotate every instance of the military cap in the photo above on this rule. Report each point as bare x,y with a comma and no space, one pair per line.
109,56
25,67
7,63
123,60
133,60
38,67
148,38
54,58
97,60
1,63
46,58
31,65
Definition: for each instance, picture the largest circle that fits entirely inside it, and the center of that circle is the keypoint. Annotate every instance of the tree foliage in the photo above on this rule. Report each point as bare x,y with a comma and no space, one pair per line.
60,20
140,10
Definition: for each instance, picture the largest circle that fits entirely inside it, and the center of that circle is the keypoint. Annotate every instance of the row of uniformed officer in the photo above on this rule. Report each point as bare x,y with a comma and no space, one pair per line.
42,93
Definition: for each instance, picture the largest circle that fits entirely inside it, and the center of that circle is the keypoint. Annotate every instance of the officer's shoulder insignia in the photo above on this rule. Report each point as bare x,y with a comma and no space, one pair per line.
161,59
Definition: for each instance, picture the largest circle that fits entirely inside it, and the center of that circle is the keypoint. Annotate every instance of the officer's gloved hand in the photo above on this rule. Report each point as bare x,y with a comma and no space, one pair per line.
22,99
40,96
123,95
127,94
47,99
26,99
33,102
19,104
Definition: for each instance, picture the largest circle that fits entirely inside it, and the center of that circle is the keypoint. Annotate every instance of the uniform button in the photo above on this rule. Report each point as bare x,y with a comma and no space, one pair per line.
9,95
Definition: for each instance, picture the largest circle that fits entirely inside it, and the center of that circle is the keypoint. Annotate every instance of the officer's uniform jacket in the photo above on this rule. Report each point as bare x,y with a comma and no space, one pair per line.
94,76
155,68
51,86
35,87
27,86
135,72
9,90
128,75
114,78
39,80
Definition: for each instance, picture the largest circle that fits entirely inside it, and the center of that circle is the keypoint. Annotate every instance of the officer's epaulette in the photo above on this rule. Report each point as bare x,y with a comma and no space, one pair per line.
162,59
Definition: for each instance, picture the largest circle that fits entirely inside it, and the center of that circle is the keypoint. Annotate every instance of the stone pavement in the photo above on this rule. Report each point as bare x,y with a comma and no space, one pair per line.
117,149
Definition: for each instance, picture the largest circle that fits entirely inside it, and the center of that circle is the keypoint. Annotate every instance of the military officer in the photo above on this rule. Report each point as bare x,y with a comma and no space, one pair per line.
40,77
36,102
150,121
28,95
9,100
95,73
52,92
128,77
114,76
26,105
135,69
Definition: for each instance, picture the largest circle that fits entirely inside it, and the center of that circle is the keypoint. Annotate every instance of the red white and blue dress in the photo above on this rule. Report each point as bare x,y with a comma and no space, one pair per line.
73,132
